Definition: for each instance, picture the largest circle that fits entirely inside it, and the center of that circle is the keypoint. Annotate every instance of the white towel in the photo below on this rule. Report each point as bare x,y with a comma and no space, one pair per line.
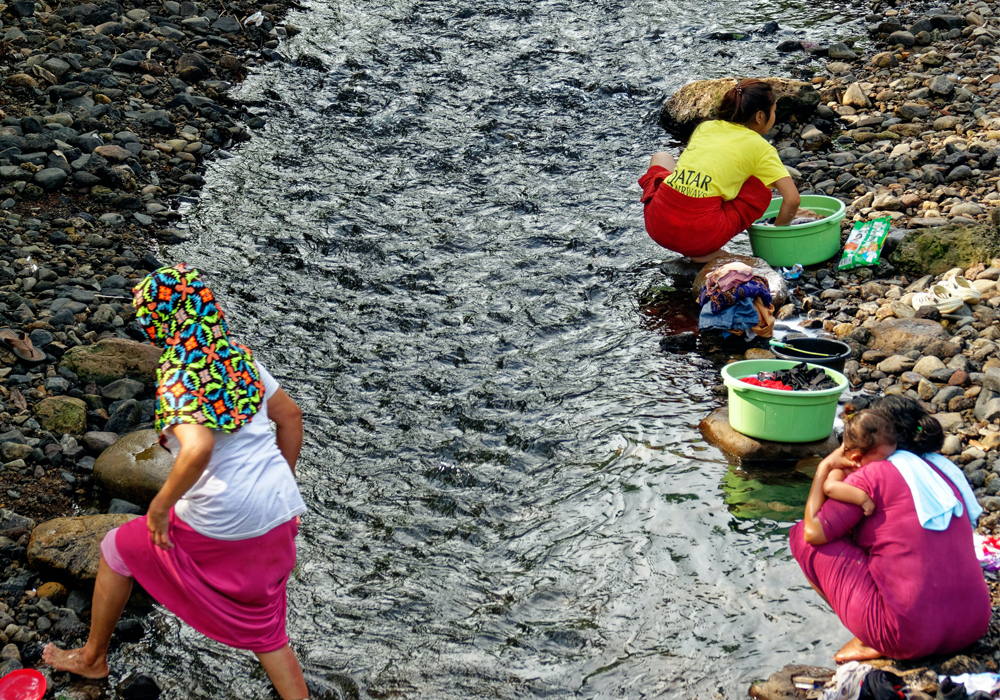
934,500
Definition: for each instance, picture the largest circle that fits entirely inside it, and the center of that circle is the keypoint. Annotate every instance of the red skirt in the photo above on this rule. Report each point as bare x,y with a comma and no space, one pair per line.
696,226
230,590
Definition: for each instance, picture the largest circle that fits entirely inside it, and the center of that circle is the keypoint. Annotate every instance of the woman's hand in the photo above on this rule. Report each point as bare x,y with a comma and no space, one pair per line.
158,522
790,200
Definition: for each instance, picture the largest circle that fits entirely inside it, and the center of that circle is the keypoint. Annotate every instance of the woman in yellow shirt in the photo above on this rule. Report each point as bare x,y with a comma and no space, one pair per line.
721,183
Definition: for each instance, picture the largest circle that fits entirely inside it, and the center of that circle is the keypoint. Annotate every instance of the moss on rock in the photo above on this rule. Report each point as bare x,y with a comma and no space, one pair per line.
932,251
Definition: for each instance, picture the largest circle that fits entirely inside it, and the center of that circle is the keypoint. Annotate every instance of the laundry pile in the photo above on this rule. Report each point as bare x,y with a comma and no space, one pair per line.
736,301
857,681
799,378
987,551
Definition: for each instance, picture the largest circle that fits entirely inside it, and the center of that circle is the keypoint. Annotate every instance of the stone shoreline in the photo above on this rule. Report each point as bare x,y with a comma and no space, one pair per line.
911,132
108,114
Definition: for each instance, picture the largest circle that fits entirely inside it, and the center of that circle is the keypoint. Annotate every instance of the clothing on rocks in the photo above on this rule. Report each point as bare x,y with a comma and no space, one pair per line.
203,377
728,276
883,685
697,226
722,298
898,587
987,551
934,500
231,591
741,316
765,315
846,684
976,682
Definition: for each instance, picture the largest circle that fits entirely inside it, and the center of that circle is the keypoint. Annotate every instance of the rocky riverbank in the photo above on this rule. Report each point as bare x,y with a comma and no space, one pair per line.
910,131
108,114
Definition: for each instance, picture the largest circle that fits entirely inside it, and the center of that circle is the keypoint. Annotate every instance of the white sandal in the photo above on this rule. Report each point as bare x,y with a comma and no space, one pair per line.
960,287
943,302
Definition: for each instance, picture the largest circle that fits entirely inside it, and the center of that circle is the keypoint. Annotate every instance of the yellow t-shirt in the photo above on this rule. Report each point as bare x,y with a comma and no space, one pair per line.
720,157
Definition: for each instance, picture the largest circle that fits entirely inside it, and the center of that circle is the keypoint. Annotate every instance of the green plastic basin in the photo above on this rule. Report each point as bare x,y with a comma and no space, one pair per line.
807,244
773,414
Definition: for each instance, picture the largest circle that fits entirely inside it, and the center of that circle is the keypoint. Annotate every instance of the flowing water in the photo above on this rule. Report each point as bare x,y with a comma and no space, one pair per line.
437,248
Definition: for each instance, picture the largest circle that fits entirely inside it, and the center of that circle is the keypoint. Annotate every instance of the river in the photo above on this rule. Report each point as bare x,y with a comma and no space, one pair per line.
437,248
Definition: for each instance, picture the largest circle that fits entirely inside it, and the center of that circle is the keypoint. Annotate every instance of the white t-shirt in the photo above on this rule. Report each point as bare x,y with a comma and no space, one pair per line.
247,488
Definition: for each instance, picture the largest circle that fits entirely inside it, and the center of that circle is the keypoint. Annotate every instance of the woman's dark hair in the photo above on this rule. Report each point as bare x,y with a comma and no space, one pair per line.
742,102
863,430
917,431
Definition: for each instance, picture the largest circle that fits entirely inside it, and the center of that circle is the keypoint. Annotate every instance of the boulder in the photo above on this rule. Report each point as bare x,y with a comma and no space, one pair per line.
759,454
62,414
113,358
937,249
781,686
134,467
698,101
900,335
71,546
9,520
777,283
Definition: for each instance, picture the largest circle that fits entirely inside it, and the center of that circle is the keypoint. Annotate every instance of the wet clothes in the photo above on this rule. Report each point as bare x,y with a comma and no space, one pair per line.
900,588
720,157
697,226
741,316
767,383
722,298
883,685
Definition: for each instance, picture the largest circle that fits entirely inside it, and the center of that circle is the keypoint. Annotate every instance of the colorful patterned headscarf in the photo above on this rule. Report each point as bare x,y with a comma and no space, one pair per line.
204,377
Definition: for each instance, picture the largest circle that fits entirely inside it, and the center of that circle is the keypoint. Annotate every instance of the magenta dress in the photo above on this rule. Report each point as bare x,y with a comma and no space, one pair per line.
903,590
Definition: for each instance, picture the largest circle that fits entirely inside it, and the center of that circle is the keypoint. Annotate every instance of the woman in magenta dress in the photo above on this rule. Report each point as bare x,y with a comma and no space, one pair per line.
905,580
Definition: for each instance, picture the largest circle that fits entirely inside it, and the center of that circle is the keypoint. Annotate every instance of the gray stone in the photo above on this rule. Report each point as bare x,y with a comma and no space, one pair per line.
97,441
51,178
928,365
896,364
940,85
122,389
950,421
903,38
841,52
125,417
952,445
947,394
134,467
113,358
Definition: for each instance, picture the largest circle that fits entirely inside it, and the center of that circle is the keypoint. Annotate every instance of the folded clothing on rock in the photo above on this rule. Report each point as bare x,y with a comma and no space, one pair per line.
721,299
741,316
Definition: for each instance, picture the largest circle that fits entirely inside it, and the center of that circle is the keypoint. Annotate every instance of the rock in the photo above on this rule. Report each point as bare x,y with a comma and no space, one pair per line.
191,68
952,445
854,96
926,366
780,686
886,59
699,100
748,451
113,358
679,342
71,546
51,179
62,414
935,250
56,592
9,520
947,123
896,364
896,335
940,85
125,417
970,209
777,283
139,687
97,441
134,467
839,51
122,389
950,421
902,38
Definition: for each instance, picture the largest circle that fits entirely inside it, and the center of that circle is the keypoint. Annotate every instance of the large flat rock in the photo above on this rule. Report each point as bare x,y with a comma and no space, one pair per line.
757,454
114,358
899,335
71,547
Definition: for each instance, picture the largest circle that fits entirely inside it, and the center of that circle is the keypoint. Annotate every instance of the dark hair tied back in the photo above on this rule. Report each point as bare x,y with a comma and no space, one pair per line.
741,103
917,431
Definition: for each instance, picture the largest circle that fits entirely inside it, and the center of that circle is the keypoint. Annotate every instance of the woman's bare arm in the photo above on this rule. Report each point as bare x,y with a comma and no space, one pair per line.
288,417
790,200
197,443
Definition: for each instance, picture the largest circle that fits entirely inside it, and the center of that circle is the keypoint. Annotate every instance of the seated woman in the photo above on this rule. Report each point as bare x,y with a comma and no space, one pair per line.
721,183
905,580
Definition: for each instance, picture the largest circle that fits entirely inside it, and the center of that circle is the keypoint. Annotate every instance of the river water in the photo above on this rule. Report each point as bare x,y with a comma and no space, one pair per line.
437,248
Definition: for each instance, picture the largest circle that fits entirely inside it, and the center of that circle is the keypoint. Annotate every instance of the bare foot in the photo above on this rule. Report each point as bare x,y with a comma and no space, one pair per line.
854,650
72,660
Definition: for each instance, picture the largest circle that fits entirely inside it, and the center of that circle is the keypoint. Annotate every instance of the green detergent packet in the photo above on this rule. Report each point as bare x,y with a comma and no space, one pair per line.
864,245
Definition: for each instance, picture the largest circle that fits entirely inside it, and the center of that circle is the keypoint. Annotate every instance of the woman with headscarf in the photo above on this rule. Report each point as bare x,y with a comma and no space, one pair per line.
217,544
904,580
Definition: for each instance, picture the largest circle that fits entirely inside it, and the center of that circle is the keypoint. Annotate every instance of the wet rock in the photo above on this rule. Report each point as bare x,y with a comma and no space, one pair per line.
139,687
71,546
134,467
679,342
62,414
113,358
896,336
53,590
741,449
936,250
699,100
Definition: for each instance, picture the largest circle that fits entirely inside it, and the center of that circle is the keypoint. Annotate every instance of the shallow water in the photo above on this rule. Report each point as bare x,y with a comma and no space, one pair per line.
437,248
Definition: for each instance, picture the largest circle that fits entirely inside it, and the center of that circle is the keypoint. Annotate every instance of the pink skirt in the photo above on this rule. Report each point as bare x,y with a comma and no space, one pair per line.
230,590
